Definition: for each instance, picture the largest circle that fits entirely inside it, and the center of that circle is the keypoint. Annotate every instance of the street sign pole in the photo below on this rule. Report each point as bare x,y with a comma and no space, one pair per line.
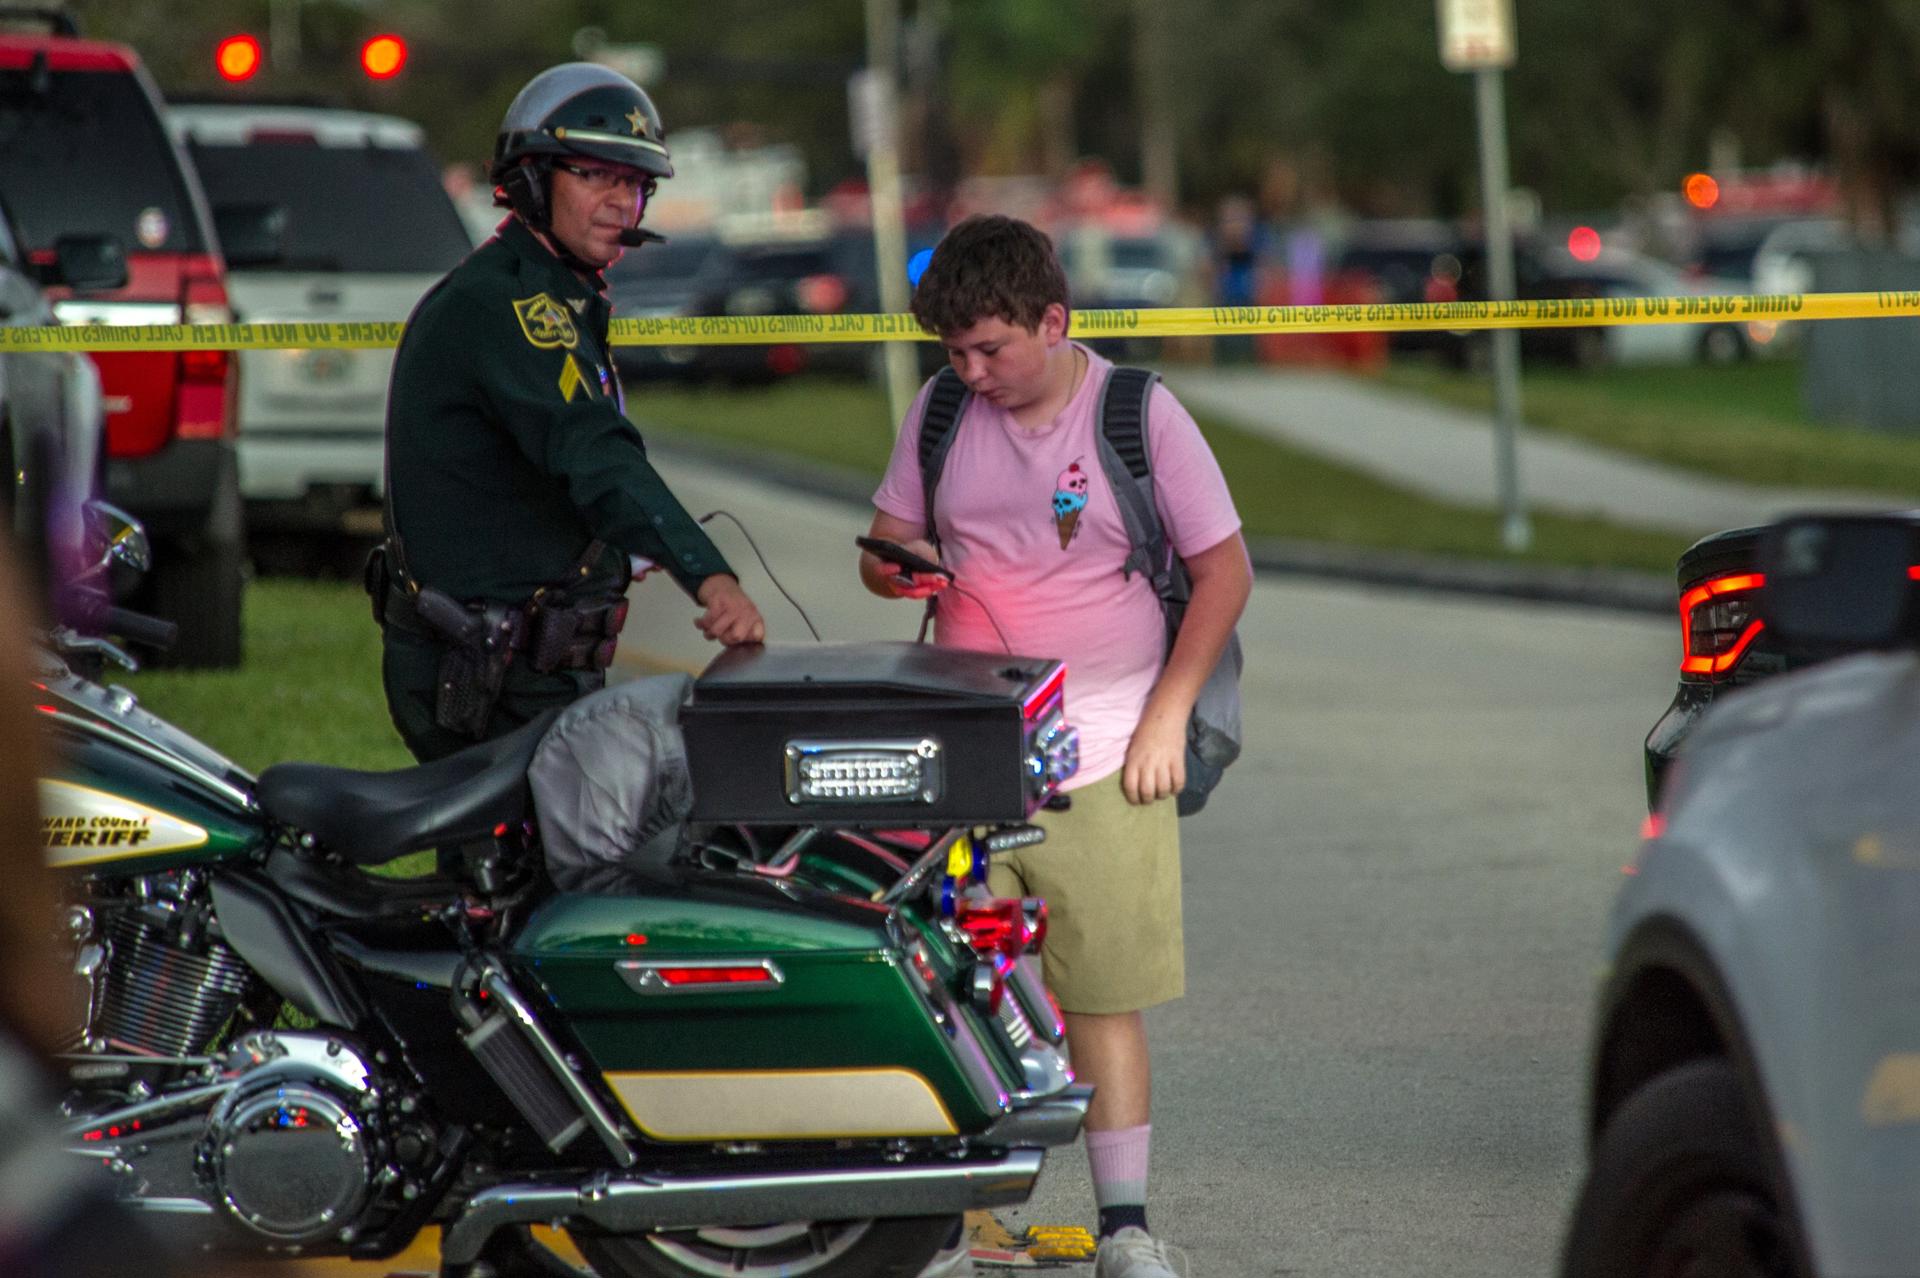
1516,530
1477,36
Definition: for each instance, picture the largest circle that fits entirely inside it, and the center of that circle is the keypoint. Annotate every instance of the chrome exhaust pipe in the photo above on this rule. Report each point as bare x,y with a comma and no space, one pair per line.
624,1205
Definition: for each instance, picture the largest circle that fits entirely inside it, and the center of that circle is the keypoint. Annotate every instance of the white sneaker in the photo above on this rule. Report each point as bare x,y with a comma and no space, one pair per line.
1135,1253
952,1262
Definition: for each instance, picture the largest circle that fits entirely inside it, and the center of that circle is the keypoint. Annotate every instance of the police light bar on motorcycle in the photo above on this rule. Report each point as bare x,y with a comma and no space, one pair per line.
860,772
876,734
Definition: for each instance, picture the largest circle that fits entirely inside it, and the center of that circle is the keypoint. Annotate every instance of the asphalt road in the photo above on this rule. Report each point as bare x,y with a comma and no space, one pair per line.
1394,909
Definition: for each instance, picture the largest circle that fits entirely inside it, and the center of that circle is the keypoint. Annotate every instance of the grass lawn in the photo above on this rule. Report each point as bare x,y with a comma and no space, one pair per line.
308,689
1741,422
1281,491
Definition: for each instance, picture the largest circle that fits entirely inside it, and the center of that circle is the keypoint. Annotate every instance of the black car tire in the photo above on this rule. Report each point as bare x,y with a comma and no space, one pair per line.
1590,349
1682,1183
887,1248
199,584
1722,344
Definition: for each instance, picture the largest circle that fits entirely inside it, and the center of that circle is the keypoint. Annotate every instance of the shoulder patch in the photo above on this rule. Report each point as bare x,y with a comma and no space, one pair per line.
546,323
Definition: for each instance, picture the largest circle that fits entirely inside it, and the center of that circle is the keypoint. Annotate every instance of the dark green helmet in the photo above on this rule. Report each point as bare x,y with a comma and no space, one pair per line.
582,108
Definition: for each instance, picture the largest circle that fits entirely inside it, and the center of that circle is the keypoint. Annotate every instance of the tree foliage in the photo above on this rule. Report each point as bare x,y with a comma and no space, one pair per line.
1346,99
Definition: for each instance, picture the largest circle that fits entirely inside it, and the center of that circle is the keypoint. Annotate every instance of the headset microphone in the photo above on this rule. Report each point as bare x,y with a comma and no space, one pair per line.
635,236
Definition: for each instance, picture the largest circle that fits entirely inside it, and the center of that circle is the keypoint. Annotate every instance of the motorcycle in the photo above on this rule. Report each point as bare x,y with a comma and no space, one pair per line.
802,1046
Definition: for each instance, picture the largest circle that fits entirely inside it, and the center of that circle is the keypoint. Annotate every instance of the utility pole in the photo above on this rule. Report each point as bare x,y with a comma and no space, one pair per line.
1159,148
876,94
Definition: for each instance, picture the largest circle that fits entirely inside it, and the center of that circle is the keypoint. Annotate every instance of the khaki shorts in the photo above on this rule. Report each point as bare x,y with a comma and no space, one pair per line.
1110,874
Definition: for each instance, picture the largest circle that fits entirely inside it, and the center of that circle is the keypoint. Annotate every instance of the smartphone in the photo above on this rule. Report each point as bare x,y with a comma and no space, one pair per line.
901,557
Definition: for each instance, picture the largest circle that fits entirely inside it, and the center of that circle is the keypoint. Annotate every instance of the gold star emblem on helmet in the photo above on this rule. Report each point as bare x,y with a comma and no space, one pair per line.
638,121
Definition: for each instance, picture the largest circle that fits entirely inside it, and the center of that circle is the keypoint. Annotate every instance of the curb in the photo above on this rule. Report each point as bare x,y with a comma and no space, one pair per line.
1613,589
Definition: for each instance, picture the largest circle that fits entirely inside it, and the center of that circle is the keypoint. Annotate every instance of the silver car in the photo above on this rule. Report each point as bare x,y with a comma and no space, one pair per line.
1755,1090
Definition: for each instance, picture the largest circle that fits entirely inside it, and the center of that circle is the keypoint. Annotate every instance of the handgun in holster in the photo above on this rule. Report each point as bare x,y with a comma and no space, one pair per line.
480,640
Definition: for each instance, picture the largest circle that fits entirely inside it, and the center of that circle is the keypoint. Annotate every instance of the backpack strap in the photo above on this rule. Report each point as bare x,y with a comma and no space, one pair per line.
1129,468
947,399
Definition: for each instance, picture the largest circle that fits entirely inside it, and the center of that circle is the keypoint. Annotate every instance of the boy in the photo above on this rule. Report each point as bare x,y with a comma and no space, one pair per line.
1025,519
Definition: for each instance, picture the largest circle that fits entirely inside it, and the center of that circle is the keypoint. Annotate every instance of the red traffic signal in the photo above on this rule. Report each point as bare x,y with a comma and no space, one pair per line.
237,58
382,56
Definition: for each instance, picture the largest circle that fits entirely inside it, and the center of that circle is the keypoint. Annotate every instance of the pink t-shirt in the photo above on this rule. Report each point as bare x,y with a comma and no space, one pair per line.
1029,525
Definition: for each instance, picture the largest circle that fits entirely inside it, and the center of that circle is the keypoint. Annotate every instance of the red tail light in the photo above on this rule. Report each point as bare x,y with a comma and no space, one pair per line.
1718,623
731,974
205,403
821,294
1007,926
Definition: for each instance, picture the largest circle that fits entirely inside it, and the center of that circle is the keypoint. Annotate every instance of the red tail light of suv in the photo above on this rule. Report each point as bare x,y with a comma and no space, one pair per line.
83,152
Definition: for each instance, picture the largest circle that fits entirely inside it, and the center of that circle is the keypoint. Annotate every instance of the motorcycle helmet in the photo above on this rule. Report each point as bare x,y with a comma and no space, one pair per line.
577,108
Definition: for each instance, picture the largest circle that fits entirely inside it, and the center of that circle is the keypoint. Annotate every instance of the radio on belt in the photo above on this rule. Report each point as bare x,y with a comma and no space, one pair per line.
876,734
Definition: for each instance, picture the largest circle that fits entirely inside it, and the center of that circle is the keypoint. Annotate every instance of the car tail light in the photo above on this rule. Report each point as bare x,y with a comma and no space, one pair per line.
1718,623
821,294
205,411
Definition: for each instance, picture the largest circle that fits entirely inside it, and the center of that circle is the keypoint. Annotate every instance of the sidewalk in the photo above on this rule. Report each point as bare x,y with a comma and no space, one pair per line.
807,538
1447,453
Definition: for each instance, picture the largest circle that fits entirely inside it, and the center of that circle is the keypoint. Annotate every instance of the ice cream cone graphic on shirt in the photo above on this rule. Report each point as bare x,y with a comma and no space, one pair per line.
1069,499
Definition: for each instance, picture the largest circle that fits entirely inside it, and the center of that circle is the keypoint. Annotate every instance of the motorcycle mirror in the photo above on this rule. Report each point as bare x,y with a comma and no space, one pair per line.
124,538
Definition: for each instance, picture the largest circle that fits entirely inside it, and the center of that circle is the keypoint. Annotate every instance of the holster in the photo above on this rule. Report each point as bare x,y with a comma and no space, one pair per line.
480,642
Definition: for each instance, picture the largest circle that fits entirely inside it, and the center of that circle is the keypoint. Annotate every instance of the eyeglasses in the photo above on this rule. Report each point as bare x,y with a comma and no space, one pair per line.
600,180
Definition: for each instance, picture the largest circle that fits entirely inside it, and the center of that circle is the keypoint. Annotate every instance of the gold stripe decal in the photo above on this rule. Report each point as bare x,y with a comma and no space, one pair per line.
83,826
783,1104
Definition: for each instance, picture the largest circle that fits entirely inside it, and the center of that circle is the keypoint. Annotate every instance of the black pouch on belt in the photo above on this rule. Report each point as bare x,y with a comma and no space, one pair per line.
577,638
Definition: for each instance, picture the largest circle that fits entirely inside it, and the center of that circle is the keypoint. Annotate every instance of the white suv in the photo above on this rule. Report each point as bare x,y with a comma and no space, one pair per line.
325,215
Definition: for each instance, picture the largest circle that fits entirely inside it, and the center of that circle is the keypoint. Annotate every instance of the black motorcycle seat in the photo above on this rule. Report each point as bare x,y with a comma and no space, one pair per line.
370,818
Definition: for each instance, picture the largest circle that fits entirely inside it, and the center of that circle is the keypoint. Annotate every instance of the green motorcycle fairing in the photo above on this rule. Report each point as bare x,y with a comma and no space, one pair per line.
109,809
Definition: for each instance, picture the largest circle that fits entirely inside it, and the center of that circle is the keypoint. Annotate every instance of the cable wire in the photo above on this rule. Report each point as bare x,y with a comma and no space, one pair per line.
769,570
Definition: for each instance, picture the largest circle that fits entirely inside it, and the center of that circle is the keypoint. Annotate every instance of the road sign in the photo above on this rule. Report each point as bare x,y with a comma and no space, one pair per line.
1476,35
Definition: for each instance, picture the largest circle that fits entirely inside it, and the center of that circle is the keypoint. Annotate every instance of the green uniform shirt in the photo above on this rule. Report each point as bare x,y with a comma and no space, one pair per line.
508,450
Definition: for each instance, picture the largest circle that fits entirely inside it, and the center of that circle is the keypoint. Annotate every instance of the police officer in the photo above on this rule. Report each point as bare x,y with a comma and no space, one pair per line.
517,491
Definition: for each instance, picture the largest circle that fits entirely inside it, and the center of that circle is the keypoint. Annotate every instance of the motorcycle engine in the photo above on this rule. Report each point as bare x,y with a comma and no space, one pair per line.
160,981
291,1151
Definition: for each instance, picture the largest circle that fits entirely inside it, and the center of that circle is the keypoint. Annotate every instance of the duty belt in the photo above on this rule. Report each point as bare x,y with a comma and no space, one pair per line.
546,635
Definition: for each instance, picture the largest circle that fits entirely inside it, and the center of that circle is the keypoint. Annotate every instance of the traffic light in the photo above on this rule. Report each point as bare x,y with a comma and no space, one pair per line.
237,58
382,56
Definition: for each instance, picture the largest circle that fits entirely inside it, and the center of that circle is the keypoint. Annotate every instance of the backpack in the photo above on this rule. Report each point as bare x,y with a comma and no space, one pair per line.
1213,730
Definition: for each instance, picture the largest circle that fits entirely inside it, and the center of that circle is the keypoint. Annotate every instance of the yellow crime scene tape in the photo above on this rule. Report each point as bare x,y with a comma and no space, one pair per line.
1190,321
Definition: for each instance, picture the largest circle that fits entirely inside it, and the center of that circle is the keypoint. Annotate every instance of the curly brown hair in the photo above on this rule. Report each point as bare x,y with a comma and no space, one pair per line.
987,267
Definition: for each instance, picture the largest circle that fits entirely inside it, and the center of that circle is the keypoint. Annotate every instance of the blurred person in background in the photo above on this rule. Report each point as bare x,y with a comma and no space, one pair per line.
520,499
1239,240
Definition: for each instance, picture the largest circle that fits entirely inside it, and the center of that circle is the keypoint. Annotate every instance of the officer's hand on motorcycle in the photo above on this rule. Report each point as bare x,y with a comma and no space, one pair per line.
730,617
